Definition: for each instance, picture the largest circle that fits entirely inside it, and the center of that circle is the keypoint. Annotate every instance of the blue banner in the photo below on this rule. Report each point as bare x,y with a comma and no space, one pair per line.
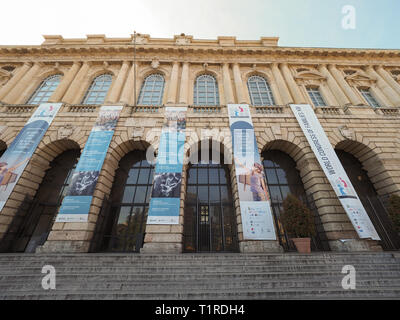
165,197
17,156
75,206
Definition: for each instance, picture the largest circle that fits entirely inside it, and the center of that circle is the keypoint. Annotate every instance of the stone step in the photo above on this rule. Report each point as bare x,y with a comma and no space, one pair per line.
198,268
140,286
192,257
91,261
211,276
242,294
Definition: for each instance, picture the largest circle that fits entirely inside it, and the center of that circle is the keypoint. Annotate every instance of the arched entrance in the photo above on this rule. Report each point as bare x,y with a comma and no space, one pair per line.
373,204
124,223
209,219
41,212
282,179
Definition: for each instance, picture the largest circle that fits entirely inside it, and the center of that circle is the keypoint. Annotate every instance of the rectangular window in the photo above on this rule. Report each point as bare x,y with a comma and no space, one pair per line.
316,97
370,98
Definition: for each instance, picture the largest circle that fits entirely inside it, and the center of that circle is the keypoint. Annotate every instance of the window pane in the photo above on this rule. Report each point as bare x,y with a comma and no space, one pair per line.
128,194
140,194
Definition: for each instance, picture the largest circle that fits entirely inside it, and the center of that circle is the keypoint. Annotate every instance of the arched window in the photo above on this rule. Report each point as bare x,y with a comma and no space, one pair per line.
45,90
283,179
260,91
373,204
38,221
209,219
366,93
152,90
130,196
316,97
98,90
206,91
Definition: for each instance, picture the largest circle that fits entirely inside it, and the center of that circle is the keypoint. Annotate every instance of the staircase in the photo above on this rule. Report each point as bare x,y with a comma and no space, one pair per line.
201,276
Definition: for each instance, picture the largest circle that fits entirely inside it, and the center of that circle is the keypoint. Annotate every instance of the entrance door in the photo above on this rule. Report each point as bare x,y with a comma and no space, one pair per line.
372,203
125,223
209,223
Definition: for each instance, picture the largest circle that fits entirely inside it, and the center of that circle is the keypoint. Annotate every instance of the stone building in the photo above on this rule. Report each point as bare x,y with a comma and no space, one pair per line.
354,92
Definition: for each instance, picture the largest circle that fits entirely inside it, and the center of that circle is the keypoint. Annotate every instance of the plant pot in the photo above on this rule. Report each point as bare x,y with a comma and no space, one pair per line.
303,245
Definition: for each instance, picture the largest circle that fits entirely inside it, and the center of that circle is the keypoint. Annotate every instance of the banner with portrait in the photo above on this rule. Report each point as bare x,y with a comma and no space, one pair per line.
165,197
76,204
17,156
334,170
257,220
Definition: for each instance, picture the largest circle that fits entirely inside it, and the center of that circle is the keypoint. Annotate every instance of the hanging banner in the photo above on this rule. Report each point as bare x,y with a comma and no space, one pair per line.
334,170
254,199
76,204
17,156
165,197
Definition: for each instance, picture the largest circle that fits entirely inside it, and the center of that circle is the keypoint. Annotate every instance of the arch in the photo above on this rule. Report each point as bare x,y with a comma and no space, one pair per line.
283,178
210,215
21,213
372,164
45,89
123,226
147,71
373,204
152,90
206,90
98,89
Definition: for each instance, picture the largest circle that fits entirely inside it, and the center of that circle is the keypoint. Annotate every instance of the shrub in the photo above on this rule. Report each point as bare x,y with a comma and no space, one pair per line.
394,211
297,219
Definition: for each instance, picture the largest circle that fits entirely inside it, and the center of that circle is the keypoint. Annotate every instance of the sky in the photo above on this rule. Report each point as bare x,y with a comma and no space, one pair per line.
304,23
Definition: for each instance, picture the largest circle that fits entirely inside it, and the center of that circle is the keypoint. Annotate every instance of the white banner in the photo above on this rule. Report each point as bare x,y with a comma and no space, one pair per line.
334,170
254,199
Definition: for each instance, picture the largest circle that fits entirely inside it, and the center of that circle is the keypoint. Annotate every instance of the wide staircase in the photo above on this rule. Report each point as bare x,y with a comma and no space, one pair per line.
201,276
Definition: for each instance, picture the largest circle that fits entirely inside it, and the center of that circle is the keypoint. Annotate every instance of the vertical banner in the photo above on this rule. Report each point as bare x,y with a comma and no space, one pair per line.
165,197
75,206
254,199
334,170
17,156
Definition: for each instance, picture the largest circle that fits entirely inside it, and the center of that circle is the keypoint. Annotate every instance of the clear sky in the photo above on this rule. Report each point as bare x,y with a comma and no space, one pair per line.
309,23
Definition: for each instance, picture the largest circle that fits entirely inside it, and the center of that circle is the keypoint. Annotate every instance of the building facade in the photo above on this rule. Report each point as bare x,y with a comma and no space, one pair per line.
354,92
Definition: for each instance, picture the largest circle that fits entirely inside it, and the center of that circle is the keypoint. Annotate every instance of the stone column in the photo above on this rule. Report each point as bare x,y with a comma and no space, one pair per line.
380,97
389,79
183,90
119,82
351,95
386,89
328,96
238,84
71,95
282,87
15,94
15,79
173,83
332,84
293,87
227,84
127,91
65,83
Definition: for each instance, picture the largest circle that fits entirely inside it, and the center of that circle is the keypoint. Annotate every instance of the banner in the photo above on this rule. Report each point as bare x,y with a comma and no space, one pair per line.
17,156
254,198
334,170
165,197
76,204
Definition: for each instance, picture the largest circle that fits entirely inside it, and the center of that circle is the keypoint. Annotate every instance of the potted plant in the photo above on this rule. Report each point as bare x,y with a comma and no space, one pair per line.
394,211
298,221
